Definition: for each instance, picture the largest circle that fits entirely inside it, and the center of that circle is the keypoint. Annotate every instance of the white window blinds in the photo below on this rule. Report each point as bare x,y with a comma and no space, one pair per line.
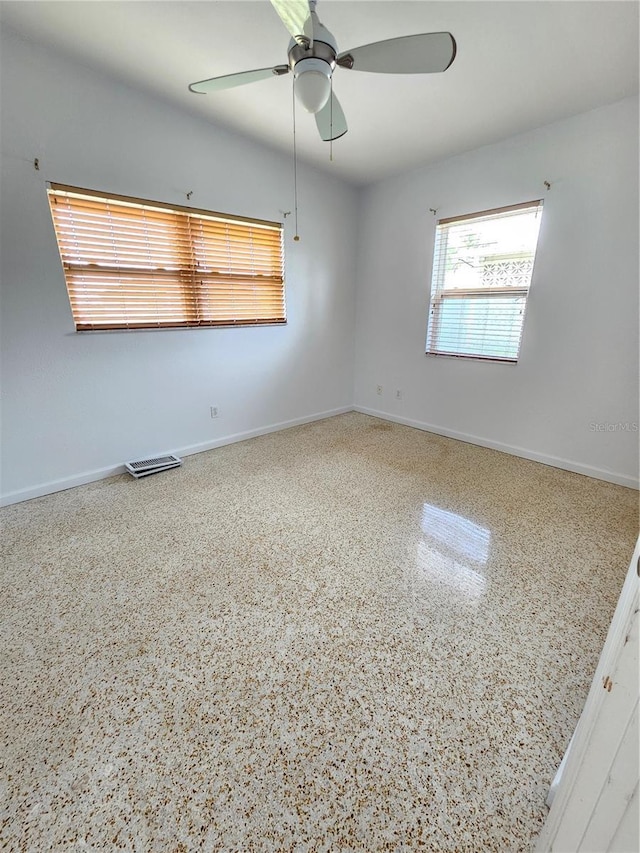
133,264
482,268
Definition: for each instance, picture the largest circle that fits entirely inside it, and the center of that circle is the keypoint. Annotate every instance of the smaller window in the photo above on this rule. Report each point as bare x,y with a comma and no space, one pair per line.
482,268
134,264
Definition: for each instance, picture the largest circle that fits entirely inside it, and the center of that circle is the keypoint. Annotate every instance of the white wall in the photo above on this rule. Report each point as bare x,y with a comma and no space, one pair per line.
73,404
579,357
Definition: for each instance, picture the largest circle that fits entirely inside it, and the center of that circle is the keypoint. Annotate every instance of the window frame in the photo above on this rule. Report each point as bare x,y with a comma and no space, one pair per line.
438,296
187,274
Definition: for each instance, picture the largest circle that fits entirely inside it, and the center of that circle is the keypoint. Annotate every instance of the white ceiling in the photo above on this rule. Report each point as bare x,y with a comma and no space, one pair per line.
519,65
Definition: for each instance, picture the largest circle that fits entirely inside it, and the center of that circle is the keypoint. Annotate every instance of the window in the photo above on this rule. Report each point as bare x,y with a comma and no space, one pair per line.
133,264
482,267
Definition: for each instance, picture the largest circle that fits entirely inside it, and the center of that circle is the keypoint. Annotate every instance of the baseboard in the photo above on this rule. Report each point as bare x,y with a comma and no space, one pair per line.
254,433
534,456
60,485
102,473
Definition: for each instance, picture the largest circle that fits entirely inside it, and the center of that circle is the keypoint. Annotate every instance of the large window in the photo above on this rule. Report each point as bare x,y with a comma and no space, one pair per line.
133,264
482,268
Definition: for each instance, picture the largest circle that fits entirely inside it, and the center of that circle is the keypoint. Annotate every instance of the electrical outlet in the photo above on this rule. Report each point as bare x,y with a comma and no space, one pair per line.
215,412
398,394
378,389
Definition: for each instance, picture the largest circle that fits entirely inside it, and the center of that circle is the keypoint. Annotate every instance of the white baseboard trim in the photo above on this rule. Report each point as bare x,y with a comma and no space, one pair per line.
102,473
254,433
60,485
534,456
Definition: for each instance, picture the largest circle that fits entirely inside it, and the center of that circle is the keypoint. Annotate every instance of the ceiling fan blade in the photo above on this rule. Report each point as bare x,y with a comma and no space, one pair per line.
296,17
419,54
331,121
230,81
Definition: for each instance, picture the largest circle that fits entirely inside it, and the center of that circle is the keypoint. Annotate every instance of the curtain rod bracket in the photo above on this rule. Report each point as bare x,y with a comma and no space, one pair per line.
433,210
36,165
547,185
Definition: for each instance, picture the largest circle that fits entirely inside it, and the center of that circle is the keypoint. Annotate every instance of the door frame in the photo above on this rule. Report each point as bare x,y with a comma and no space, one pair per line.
595,757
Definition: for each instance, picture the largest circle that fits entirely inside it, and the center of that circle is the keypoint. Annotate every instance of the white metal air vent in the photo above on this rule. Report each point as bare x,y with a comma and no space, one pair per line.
144,467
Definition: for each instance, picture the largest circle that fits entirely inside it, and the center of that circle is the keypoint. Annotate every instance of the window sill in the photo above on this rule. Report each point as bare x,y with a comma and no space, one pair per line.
510,362
178,328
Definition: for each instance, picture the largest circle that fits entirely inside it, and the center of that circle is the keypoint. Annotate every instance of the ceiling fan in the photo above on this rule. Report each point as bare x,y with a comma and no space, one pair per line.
313,56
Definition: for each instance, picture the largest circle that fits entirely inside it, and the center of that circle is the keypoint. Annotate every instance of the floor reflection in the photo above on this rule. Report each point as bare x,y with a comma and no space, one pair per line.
453,550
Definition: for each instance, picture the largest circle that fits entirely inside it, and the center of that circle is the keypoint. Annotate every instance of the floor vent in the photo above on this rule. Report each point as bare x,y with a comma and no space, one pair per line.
144,467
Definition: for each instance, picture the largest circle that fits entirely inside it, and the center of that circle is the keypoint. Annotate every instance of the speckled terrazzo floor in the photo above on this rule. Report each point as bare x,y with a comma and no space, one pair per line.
350,635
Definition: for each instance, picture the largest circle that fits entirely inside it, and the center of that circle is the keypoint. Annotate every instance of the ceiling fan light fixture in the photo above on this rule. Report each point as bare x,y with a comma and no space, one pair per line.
312,55
312,81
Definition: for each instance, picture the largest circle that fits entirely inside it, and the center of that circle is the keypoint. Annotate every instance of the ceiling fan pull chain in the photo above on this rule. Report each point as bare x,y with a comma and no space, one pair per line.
295,164
331,121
